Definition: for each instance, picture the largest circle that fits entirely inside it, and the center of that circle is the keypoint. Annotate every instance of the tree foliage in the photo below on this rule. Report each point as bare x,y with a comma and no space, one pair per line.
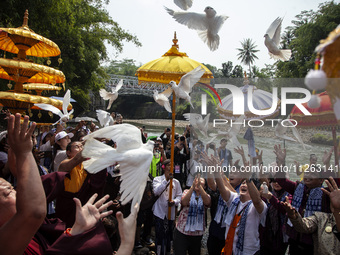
126,67
79,28
302,38
247,52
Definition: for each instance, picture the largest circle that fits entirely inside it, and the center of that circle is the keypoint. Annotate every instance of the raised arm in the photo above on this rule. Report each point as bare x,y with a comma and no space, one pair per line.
307,225
30,207
334,195
255,196
68,164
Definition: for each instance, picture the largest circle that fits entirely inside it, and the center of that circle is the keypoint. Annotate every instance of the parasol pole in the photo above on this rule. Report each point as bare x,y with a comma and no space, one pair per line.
172,150
336,157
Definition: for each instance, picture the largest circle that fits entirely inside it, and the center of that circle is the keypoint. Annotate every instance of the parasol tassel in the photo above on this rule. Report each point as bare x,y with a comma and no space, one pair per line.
316,80
314,102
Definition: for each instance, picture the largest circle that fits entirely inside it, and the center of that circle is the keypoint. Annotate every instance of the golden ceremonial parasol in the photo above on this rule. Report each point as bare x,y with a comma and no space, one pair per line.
40,87
23,41
170,67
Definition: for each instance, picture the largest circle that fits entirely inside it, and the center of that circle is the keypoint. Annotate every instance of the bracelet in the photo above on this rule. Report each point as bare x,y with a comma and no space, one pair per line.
67,232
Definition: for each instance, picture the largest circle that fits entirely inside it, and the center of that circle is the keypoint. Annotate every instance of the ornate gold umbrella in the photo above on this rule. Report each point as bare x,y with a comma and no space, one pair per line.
23,40
40,87
171,67
22,71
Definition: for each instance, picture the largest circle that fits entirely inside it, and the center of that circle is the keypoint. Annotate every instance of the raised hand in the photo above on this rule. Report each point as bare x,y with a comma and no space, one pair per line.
88,215
291,212
127,230
333,193
239,150
280,154
327,156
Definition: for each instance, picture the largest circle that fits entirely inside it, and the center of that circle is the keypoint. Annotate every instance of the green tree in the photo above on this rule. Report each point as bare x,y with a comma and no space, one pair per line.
215,71
302,38
247,52
227,69
80,28
126,67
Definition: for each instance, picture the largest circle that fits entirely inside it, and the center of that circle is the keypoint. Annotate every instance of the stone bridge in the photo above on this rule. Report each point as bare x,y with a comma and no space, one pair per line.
130,87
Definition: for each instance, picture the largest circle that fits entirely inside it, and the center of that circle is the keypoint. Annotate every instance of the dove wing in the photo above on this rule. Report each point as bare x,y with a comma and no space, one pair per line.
273,27
219,21
119,85
135,167
126,136
103,117
235,129
296,134
163,101
192,20
100,156
167,92
51,108
193,118
190,79
183,4
66,101
105,94
277,34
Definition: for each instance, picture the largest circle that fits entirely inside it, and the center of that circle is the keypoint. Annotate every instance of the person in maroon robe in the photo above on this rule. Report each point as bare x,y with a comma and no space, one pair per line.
23,226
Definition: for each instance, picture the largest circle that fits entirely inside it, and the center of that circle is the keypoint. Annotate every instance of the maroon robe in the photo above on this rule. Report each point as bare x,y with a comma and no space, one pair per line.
51,239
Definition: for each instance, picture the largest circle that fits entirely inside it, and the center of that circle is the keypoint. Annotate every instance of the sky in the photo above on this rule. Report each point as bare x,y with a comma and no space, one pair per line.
154,27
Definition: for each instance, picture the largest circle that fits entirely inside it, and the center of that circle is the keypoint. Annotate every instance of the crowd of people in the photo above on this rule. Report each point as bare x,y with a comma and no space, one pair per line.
50,204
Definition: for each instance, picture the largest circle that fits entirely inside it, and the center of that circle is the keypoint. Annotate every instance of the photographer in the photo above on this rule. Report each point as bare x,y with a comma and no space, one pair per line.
158,157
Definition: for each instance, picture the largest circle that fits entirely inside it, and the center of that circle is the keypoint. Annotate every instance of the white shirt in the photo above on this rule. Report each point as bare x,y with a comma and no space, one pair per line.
251,242
193,166
160,208
59,157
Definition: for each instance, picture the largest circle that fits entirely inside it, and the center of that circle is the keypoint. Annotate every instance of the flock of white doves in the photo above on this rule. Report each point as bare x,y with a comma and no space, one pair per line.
133,156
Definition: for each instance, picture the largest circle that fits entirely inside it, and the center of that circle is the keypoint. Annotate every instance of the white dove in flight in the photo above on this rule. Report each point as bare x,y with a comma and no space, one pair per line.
105,118
272,41
163,98
64,115
133,156
207,24
280,132
183,4
111,96
183,89
232,133
198,122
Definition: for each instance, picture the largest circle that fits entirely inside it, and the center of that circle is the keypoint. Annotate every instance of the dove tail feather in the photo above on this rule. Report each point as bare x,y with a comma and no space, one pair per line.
213,41
284,55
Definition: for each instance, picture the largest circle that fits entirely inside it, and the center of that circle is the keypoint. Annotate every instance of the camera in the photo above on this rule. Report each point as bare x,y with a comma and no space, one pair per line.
182,138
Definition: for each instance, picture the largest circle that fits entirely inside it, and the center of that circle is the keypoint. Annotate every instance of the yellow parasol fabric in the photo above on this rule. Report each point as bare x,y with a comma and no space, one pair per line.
6,96
40,87
170,67
23,38
23,71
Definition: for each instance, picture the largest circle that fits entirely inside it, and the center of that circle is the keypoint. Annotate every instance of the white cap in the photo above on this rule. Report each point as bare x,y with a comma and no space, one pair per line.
63,134
3,135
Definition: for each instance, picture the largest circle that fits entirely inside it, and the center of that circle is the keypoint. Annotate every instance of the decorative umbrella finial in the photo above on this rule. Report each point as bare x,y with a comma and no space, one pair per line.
175,41
25,23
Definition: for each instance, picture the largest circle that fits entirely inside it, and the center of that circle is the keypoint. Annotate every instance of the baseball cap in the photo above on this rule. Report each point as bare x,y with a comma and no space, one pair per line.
159,139
63,134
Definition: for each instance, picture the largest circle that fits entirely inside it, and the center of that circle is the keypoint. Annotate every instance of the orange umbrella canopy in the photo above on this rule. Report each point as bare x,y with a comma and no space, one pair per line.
323,116
170,67
23,38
